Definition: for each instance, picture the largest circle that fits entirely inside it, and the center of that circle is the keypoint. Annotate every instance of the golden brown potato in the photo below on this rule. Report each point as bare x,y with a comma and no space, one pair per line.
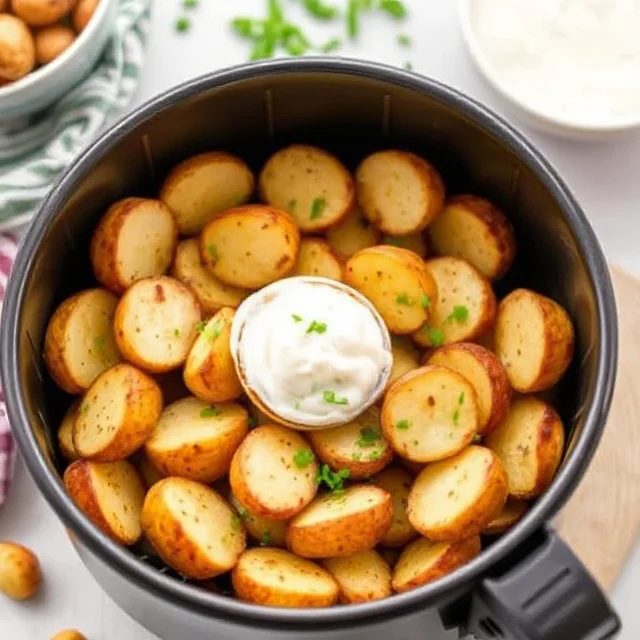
341,524
362,577
65,432
117,415
397,283
68,634
397,481
399,192
17,48
405,358
316,258
266,532
203,186
424,561
80,343
534,339
193,528
430,414
82,13
313,186
38,13
52,41
457,498
19,571
415,243
110,494
351,235
135,239
156,322
273,473
530,443
486,375
277,578
251,246
473,229
195,440
513,511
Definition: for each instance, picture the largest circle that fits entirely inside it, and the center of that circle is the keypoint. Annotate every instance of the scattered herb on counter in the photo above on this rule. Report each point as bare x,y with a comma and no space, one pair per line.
265,538
403,425
210,412
435,336
425,301
303,458
408,66
332,45
317,208
334,480
213,252
317,327
403,298
403,40
331,398
460,314
368,437
296,317
182,24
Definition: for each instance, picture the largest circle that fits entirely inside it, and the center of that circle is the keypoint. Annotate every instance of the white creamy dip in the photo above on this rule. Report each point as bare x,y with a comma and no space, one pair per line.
571,60
314,351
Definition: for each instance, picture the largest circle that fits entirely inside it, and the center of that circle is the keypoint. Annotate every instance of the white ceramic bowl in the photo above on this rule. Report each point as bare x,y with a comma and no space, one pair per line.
47,84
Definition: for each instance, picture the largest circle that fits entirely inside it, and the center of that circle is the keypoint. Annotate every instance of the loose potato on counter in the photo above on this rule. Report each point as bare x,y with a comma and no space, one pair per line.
465,307
457,498
65,432
415,243
473,229
83,13
80,343
316,258
38,13
156,323
397,283
110,494
52,41
194,530
341,524
20,575
353,234
196,440
68,634
117,415
512,513
534,339
202,186
485,373
399,192
312,185
530,443
277,578
397,481
425,561
430,414
135,239
266,532
405,358
250,246
362,577
273,473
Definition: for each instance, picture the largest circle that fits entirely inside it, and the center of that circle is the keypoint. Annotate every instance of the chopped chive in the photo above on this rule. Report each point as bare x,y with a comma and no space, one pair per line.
331,398
292,204
334,480
296,317
425,301
189,4
182,24
321,10
353,18
243,514
408,66
332,45
317,208
356,456
85,408
213,252
403,40
210,412
303,458
461,398
456,416
460,313
403,298
368,437
235,522
435,336
317,327
265,538
176,332
252,422
99,342
403,425
201,326
394,8
375,455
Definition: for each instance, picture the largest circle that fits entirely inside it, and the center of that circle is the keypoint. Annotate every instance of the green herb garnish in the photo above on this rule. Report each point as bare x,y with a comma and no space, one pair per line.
85,408
252,422
296,317
213,252
334,480
408,66
368,437
375,455
394,8
356,457
460,313
210,412
99,342
292,205
321,10
182,24
353,18
189,4
317,327
265,538
435,336
243,514
332,45
403,298
425,301
235,522
477,438
331,398
317,208
403,40
176,332
201,326
403,425
303,458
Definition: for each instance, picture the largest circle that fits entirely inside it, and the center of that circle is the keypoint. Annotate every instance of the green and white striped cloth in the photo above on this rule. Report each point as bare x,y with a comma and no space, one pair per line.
33,155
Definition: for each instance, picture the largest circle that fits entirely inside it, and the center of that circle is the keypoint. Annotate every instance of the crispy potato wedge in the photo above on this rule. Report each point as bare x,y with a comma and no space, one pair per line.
399,192
316,258
110,494
117,415
362,577
405,358
457,498
397,283
204,185
65,432
193,528
397,482
341,524
415,243
135,239
277,578
79,343
534,339
156,323
268,533
512,513
430,414
353,234
312,185
530,444
250,246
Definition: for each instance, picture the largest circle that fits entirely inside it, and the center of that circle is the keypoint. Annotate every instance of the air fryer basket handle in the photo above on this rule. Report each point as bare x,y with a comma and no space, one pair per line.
547,595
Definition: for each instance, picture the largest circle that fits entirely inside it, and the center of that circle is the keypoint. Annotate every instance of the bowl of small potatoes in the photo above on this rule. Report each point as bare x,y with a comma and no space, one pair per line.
307,346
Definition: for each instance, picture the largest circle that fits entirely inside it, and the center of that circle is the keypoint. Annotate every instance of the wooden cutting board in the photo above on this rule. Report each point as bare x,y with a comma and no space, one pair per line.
601,522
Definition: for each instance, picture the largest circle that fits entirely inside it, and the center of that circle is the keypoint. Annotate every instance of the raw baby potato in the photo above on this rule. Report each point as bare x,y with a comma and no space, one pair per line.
19,571
397,481
264,531
80,343
313,186
38,13
512,513
277,578
83,13
135,239
399,192
250,246
68,634
316,258
110,494
52,41
353,234
65,432
193,528
534,339
405,358
17,48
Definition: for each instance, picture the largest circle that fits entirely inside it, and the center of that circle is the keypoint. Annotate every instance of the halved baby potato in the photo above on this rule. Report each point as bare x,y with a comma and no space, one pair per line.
457,498
193,528
273,472
250,246
397,481
312,185
534,339
530,444
135,239
405,358
362,577
65,432
117,415
399,192
268,533
110,494
415,243
277,578
316,258
397,283
156,323
341,524
79,343
430,414
196,440
353,234
204,185
512,513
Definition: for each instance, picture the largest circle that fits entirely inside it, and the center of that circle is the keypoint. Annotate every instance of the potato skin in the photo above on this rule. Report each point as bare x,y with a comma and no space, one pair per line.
362,577
17,48
512,513
316,258
352,234
19,571
37,13
82,13
52,41
397,481
65,432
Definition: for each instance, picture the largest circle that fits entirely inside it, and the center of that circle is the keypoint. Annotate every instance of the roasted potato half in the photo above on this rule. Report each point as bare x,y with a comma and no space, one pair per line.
512,513
353,234
38,13
17,48
397,482
405,358
415,243
266,532
65,432
316,258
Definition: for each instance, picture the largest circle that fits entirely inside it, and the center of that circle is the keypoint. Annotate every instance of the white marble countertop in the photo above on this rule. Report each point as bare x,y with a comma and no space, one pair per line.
604,177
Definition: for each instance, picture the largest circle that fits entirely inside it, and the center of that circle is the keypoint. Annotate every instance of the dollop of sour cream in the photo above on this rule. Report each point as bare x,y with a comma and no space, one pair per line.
314,351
